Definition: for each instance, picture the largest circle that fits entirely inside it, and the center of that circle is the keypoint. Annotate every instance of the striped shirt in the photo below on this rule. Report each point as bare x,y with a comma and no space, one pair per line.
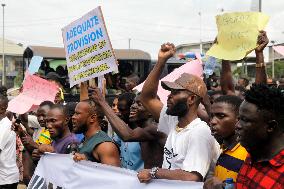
230,162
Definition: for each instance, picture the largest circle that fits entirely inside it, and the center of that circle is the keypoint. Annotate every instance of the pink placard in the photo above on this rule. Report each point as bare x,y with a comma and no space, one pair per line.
279,49
35,91
193,67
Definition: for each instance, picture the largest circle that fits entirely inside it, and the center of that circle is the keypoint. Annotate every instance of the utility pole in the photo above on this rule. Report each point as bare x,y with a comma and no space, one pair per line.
243,68
200,32
200,28
3,52
129,39
273,54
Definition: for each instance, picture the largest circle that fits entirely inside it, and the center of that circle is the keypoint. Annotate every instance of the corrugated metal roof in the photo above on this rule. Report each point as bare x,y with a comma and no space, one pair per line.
59,53
131,54
11,48
47,52
194,44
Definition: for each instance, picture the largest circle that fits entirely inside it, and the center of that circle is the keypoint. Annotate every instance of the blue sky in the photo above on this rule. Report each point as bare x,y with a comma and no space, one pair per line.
147,23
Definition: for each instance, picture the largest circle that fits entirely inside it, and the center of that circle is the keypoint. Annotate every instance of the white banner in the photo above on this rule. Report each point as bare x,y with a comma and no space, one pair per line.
60,171
88,49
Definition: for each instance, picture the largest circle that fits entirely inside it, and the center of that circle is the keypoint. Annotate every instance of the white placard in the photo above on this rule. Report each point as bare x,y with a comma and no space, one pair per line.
88,49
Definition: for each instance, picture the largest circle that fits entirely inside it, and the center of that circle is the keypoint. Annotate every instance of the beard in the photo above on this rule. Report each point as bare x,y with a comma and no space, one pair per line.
179,109
80,129
125,118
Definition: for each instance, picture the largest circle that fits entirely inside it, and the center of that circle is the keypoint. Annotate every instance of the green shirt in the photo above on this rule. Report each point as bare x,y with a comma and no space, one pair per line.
89,145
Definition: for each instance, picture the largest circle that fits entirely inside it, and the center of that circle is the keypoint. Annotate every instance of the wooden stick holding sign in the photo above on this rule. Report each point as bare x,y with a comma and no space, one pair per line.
84,91
102,85
86,88
93,83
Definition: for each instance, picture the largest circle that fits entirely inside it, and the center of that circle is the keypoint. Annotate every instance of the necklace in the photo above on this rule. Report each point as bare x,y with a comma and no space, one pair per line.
178,129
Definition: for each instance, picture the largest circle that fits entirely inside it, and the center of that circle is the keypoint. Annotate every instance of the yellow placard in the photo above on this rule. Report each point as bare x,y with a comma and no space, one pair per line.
237,34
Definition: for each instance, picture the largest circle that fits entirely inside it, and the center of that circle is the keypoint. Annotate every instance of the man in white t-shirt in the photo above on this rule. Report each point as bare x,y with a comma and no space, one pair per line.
190,148
9,172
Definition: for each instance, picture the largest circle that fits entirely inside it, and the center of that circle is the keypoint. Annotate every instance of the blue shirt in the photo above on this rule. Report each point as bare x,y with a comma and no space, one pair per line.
130,154
80,137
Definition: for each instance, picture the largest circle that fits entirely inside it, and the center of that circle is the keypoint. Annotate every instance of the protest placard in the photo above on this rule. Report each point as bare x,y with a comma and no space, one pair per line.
35,91
35,64
193,67
88,49
209,66
237,34
60,171
279,49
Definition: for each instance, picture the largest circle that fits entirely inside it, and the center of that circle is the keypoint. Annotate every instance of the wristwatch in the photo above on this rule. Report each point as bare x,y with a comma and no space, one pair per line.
153,172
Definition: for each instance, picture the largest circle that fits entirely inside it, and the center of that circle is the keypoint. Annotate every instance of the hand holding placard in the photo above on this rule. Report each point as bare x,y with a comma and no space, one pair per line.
237,34
262,41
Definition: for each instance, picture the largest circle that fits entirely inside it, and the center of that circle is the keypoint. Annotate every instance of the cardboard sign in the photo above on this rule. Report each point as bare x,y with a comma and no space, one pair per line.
88,49
279,49
35,91
193,67
35,64
237,34
209,66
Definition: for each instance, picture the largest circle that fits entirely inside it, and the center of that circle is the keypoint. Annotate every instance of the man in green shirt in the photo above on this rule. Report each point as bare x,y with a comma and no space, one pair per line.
96,146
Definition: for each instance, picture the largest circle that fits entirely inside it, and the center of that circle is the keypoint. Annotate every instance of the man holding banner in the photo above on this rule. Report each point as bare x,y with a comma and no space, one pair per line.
63,140
189,138
96,145
189,150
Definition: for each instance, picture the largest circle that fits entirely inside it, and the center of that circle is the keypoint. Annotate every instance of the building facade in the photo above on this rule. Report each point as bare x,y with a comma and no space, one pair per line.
13,57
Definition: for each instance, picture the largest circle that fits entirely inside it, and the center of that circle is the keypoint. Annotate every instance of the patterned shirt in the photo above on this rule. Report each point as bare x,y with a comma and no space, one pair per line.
230,162
44,137
262,174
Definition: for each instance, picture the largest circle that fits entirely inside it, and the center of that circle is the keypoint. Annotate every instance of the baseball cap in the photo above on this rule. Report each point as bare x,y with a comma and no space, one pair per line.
188,82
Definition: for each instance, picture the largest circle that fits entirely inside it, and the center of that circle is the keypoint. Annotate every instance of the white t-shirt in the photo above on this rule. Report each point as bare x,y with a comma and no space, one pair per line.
192,149
9,172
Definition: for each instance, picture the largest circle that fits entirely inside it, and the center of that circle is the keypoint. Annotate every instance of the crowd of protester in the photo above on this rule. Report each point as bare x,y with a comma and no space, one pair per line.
238,135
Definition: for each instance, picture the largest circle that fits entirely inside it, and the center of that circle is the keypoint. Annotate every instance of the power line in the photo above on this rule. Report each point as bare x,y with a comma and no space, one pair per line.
161,25
34,22
40,20
147,41
34,41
